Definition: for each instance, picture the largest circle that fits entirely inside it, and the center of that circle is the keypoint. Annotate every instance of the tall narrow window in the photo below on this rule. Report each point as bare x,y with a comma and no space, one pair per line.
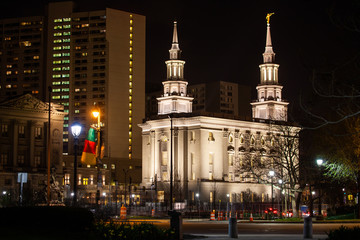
67,179
38,133
192,166
37,161
4,159
21,131
4,130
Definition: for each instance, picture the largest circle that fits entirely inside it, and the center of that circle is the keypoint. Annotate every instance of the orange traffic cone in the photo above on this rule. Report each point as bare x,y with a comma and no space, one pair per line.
251,217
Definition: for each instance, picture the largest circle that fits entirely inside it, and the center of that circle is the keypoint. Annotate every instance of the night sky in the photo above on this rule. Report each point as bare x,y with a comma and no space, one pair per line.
224,40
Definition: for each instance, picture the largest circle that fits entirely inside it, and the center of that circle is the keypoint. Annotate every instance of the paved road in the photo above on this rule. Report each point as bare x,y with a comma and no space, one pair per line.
218,230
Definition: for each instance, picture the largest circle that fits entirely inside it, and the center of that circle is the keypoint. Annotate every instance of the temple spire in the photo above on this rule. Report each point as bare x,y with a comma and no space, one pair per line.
268,55
175,50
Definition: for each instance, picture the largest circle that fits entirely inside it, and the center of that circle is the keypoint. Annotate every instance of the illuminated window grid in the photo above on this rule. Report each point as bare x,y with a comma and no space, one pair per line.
130,84
62,46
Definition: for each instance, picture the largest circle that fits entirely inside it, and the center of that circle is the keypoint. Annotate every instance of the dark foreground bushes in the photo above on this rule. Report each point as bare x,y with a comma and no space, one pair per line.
134,231
65,218
344,233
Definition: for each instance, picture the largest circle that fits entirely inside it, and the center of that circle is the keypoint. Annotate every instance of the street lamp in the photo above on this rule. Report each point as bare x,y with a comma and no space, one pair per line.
96,114
75,130
198,197
272,173
320,162
227,204
281,187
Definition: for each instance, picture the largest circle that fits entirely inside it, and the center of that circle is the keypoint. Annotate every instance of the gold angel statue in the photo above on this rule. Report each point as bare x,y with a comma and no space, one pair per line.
268,17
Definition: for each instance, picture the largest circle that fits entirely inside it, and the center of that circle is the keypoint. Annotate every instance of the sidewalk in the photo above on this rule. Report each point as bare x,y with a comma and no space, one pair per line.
253,237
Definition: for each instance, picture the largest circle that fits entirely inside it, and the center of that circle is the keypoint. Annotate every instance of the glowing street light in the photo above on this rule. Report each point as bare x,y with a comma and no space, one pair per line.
319,162
96,114
75,130
272,173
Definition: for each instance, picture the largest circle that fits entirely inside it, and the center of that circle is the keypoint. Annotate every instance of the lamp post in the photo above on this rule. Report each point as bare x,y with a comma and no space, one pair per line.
48,149
320,162
75,130
171,163
198,197
281,208
96,114
272,173
227,204
125,173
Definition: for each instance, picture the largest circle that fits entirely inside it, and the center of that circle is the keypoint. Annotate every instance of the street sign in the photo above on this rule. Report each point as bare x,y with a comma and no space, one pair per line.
22,177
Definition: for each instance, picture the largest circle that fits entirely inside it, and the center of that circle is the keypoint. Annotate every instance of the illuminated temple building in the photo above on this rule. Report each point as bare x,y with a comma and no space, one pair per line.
208,153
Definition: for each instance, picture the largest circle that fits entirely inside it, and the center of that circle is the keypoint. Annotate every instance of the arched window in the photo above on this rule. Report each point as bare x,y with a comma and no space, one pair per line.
231,139
252,140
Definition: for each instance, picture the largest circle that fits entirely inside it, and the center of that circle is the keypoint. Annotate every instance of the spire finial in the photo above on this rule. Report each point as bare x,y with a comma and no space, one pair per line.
268,17
175,36
269,55
175,50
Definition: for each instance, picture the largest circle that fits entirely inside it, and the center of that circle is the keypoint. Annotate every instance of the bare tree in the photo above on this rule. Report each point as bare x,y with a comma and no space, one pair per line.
279,153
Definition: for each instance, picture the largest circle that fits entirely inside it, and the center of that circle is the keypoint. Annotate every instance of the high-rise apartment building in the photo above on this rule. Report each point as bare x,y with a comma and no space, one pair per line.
97,59
22,60
91,60
221,97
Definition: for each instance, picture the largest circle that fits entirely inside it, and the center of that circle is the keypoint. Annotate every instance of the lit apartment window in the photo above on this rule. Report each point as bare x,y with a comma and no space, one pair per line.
66,33
105,166
9,66
57,34
56,90
55,97
85,181
65,61
56,48
66,47
57,55
56,83
67,179
8,72
58,20
65,75
56,76
66,26
56,62
36,57
66,40
113,166
57,41
65,68
57,69
65,97
77,111
66,54
57,27
67,19
65,89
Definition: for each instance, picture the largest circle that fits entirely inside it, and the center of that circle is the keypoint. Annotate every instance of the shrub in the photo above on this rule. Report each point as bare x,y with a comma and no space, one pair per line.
134,231
344,233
